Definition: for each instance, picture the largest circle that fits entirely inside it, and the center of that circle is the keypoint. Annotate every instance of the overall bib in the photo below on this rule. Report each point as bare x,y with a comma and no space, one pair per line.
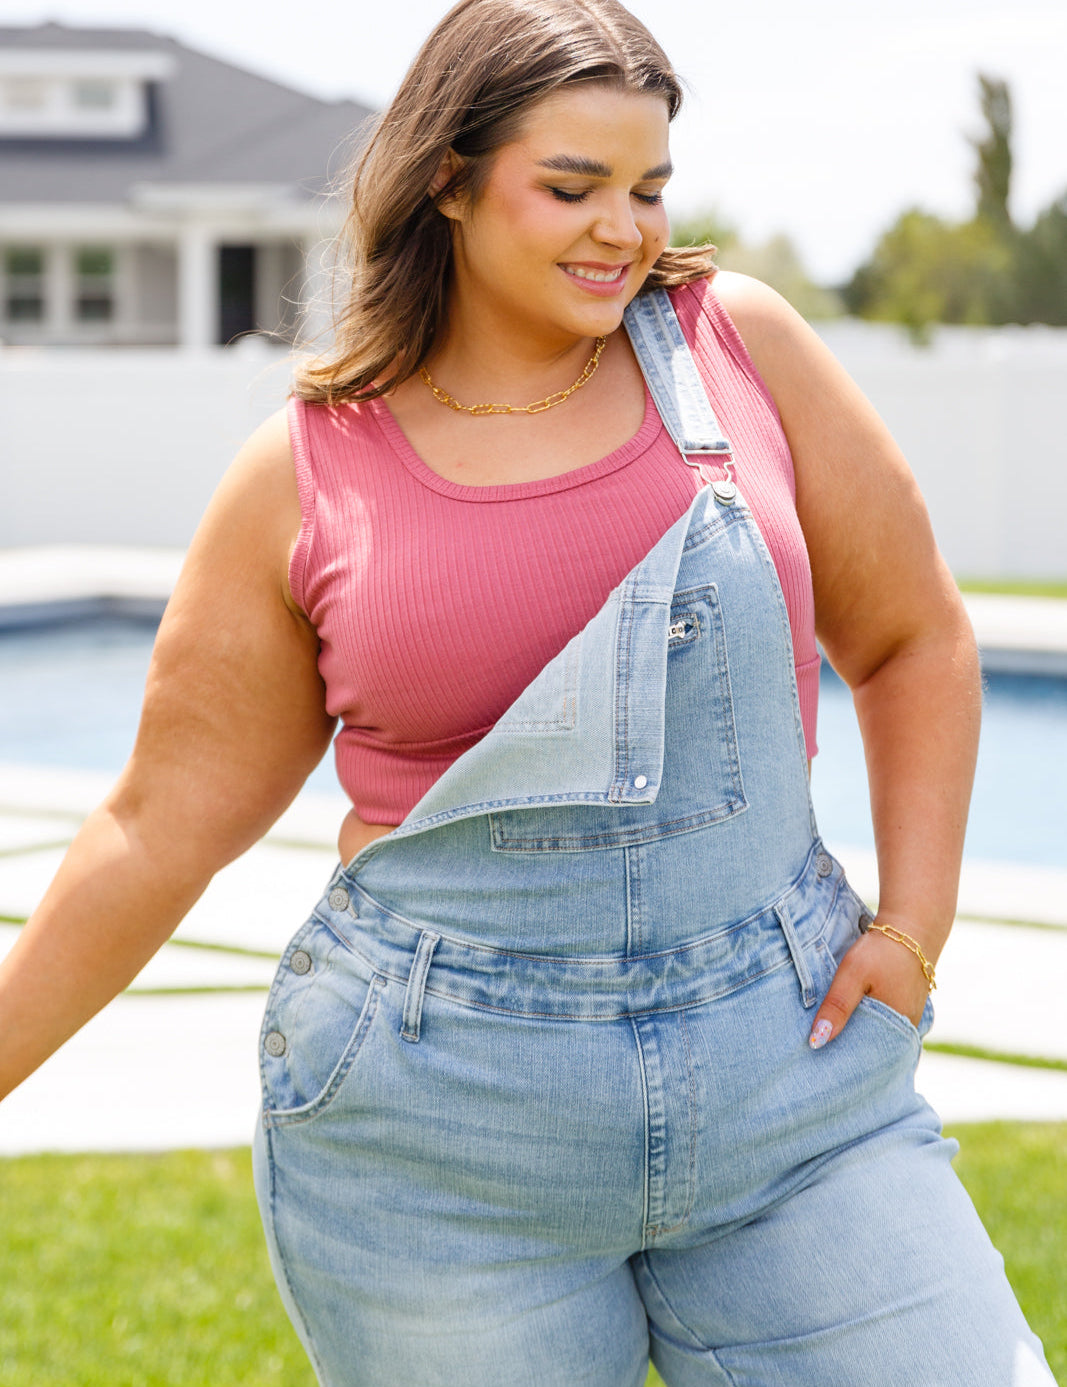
537,1084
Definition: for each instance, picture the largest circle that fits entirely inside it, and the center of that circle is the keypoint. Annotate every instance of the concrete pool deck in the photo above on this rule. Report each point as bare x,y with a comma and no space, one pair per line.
172,1062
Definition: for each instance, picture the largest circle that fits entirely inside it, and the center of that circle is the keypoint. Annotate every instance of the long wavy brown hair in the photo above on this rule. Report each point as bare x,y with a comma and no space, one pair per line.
483,67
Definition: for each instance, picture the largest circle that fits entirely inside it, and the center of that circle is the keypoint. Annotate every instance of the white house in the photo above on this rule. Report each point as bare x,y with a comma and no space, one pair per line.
151,195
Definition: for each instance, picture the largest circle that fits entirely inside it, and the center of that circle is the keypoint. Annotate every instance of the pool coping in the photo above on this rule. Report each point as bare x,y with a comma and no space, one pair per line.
47,584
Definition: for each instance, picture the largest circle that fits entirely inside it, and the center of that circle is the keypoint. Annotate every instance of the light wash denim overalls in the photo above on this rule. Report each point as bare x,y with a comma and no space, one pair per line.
536,1073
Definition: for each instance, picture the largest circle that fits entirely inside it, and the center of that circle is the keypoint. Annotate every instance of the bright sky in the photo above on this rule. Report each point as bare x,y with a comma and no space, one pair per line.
821,119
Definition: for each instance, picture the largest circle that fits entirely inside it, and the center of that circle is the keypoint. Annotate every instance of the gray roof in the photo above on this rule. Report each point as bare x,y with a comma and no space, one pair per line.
210,122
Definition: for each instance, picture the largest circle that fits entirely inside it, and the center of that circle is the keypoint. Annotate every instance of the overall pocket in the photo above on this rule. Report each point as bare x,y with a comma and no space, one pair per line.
841,932
319,1013
701,782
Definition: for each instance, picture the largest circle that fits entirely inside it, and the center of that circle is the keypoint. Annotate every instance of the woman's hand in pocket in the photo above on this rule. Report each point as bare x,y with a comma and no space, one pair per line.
875,966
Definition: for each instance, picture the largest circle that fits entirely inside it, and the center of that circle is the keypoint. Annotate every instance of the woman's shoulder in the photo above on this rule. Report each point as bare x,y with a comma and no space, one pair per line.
764,333
770,328
738,324
263,465
261,478
735,306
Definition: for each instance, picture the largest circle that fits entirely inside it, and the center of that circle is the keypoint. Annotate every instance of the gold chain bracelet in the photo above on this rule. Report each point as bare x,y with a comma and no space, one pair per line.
899,937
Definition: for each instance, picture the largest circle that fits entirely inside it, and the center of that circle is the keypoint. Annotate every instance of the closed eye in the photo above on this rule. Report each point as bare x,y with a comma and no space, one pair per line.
562,195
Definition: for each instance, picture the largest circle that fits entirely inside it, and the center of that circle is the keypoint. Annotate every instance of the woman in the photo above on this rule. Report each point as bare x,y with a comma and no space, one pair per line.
589,1045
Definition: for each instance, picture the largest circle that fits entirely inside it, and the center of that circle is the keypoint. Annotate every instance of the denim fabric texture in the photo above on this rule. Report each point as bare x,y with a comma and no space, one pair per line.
538,1097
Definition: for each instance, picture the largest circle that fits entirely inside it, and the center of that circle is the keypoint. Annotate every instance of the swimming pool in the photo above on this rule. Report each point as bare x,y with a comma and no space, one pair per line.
70,693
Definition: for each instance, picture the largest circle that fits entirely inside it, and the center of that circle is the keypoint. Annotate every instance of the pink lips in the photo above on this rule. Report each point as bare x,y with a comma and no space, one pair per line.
602,288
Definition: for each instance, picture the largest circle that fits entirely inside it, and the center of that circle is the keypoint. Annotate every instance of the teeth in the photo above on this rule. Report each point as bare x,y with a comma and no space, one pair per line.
598,276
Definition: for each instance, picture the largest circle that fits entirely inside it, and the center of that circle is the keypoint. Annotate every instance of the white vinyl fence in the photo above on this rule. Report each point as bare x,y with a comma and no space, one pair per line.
125,446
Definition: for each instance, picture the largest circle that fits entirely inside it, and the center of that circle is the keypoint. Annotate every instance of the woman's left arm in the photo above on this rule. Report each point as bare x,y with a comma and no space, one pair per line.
890,619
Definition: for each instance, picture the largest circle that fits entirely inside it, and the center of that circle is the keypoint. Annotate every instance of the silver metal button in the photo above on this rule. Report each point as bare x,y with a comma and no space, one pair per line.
640,781
274,1044
725,492
338,898
300,962
824,865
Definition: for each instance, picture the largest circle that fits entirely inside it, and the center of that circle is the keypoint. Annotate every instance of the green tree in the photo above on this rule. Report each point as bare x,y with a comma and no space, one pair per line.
704,228
775,261
1041,267
927,270
992,177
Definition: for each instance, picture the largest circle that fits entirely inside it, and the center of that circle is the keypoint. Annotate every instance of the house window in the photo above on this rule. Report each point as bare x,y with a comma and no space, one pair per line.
95,94
24,284
24,94
94,297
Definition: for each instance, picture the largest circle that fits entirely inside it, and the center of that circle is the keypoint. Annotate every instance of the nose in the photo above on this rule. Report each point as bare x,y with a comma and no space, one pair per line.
616,225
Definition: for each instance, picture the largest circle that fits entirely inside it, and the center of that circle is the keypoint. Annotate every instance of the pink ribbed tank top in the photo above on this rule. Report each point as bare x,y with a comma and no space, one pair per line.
437,603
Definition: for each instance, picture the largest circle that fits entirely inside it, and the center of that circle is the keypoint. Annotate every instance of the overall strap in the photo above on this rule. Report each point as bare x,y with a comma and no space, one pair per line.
671,375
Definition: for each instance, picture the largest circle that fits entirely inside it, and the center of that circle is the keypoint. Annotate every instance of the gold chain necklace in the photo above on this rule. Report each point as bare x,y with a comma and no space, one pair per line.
538,406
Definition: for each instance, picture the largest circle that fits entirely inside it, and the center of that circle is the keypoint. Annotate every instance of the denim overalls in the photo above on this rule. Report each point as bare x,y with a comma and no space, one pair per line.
537,1086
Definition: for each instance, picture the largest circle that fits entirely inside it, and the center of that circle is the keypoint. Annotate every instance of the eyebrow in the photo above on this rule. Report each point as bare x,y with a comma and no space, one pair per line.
593,168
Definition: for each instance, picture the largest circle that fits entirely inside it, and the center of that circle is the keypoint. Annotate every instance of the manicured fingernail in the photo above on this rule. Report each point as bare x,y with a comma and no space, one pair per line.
820,1034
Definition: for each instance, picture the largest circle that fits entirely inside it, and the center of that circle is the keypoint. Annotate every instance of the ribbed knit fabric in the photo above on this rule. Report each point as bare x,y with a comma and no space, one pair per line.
437,603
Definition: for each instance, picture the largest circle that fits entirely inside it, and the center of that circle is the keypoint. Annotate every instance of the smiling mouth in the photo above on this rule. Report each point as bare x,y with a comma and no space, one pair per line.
597,276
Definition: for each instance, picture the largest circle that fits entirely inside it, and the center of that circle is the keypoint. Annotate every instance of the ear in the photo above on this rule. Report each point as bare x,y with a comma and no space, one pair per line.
452,205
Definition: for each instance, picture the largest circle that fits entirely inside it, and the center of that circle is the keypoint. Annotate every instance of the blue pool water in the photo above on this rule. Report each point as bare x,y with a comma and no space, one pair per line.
1019,806
69,696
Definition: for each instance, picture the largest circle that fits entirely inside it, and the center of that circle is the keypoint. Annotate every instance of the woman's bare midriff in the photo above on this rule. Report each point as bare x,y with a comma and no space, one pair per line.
356,834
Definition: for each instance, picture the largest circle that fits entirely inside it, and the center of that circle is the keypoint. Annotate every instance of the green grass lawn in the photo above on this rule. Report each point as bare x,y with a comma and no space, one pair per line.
1016,587
150,1271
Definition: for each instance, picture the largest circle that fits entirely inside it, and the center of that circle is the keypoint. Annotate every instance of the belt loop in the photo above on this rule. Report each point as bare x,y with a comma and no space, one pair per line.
416,988
796,953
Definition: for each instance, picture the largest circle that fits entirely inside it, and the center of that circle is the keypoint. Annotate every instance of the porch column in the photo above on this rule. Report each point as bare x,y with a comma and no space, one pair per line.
59,291
198,287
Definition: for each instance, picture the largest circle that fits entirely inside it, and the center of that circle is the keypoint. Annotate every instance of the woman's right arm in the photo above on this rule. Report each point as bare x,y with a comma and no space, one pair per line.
233,722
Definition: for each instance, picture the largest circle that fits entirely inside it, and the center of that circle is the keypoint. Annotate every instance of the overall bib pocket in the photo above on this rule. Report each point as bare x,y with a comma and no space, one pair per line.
702,782
320,1010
